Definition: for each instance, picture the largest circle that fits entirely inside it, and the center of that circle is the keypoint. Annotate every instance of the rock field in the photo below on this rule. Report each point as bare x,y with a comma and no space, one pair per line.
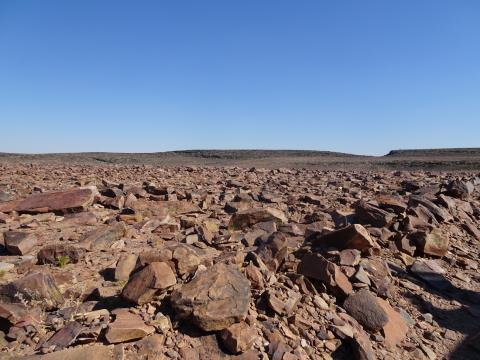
146,262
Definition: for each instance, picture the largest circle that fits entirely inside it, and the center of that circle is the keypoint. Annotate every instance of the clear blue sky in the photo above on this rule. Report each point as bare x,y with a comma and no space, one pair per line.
353,76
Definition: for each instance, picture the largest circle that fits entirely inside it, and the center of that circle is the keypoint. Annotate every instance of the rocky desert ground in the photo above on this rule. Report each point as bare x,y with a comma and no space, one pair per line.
136,261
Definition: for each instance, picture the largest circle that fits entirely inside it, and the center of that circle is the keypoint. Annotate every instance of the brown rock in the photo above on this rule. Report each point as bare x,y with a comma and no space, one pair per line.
127,327
64,337
439,213
125,266
247,218
395,330
317,267
273,251
255,276
146,283
51,254
238,338
363,306
19,243
351,237
13,313
69,200
350,257
103,237
94,352
368,213
391,202
37,286
214,299
460,189
432,243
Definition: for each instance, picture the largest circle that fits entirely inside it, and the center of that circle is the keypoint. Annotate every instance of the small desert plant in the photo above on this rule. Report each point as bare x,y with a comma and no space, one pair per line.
121,283
63,260
2,273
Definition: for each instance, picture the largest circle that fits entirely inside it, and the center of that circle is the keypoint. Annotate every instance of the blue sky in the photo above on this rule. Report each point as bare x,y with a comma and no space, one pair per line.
133,76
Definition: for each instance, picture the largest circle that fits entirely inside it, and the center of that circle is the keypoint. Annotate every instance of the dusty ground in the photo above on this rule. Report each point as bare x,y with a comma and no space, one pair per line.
293,289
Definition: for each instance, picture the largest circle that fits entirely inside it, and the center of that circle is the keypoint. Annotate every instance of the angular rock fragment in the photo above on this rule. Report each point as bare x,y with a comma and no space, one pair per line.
64,337
146,283
460,189
215,298
349,257
19,243
432,273
433,243
52,254
247,218
13,313
364,307
351,237
103,237
440,214
37,286
391,202
125,266
367,213
69,200
238,338
273,251
395,330
126,327
319,268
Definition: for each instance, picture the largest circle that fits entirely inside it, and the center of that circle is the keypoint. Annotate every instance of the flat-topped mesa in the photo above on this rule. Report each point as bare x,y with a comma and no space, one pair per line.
63,201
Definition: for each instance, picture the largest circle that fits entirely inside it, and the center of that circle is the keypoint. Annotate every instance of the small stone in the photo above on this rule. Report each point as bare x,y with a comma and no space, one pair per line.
317,267
19,243
238,338
365,308
125,266
350,257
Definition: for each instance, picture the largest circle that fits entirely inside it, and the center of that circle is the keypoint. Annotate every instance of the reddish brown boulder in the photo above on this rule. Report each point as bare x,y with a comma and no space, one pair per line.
13,313
369,213
146,283
69,200
247,218
214,299
37,286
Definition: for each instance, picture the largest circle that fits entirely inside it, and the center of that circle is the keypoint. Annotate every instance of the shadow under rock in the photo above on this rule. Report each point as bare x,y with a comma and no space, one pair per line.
465,319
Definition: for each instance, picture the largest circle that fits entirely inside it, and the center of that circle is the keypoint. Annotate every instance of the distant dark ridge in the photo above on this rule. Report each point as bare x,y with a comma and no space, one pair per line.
258,154
453,152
